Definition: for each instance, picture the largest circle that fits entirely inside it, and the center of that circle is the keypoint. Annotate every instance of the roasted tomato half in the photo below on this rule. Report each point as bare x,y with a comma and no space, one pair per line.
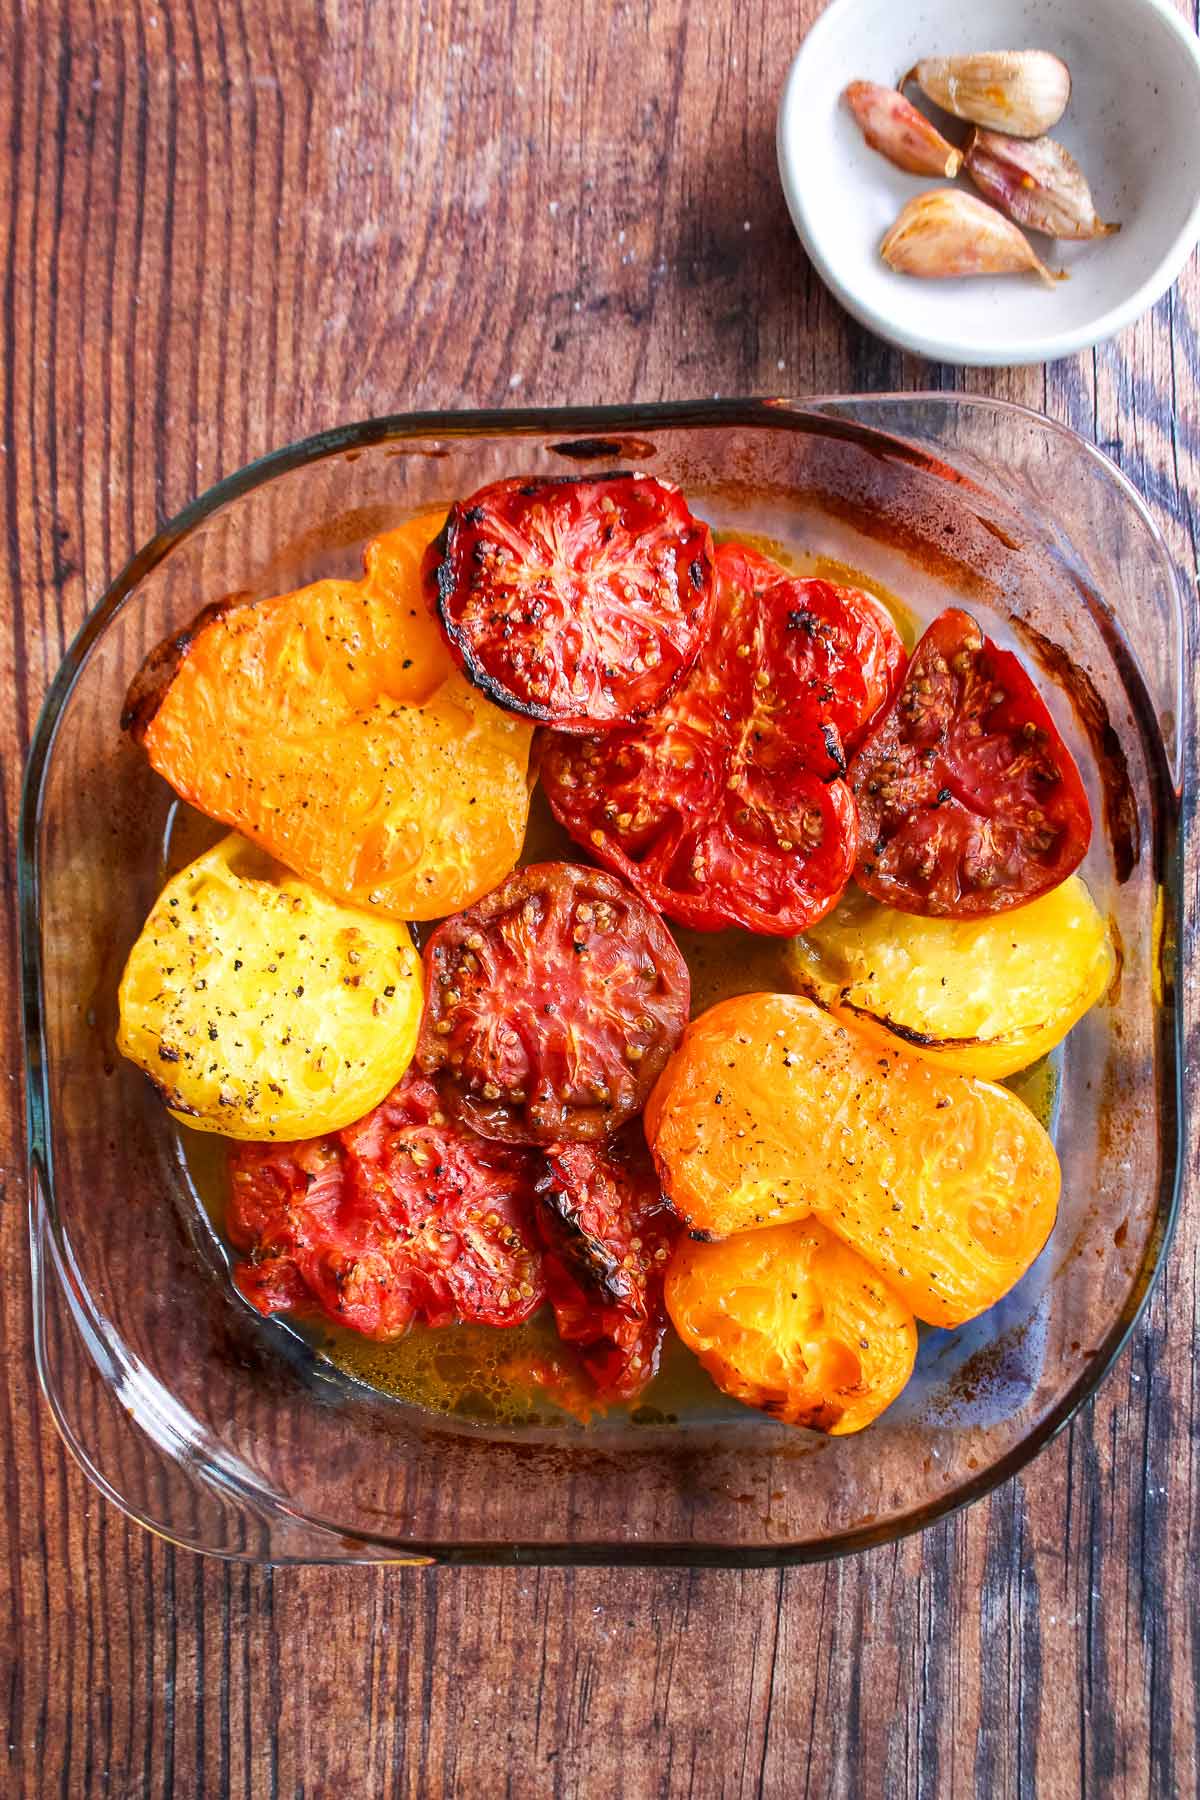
331,727
261,1008
793,1321
552,1006
576,600
969,801
406,1217
608,1233
984,996
771,1111
727,807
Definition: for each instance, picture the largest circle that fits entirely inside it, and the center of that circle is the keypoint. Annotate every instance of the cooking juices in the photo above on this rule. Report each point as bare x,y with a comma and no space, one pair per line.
525,1376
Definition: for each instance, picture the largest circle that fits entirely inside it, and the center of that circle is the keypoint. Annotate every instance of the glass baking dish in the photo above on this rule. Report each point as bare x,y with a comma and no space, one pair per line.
222,1431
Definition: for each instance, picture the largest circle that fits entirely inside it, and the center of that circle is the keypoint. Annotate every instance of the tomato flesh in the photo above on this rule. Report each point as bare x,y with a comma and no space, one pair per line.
608,1233
728,807
406,1217
552,1006
574,600
969,801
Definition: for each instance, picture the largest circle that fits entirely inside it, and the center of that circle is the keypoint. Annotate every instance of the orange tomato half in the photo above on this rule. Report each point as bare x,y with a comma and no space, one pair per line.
331,727
771,1111
794,1322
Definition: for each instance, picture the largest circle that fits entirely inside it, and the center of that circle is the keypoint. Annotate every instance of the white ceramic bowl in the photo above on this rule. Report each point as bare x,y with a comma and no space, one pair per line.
1133,123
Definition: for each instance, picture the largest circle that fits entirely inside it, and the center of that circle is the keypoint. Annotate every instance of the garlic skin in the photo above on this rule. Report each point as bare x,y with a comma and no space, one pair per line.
1035,182
1022,92
893,126
948,233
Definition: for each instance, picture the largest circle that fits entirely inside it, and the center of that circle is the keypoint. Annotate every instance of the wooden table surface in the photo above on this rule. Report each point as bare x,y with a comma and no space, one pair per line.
226,225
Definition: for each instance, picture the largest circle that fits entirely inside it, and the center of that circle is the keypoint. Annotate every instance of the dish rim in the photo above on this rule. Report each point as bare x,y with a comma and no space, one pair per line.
818,413
1050,345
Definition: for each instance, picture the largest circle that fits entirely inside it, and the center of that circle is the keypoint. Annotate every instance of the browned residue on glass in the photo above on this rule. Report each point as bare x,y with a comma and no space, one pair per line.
149,686
1113,995
596,449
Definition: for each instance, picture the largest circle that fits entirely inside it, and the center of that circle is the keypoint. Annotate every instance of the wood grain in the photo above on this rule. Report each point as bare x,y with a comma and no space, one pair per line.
224,226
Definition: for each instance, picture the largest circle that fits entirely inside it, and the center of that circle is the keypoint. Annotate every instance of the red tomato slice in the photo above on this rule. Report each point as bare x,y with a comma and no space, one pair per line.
969,801
404,1217
551,1006
608,1233
575,600
727,807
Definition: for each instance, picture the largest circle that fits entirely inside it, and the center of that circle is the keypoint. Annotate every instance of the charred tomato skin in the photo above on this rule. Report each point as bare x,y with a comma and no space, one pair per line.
728,806
969,801
579,601
607,1231
406,1217
552,1006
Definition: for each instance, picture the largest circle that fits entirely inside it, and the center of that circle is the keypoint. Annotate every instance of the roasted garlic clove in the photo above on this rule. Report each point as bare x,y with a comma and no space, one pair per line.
893,126
1023,92
1036,182
947,232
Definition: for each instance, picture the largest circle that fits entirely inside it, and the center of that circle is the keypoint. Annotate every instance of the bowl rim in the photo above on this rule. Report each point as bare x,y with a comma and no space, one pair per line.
50,1252
1020,352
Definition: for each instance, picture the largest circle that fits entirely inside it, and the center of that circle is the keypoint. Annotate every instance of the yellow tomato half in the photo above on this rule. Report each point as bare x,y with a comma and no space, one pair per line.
984,996
794,1322
260,1008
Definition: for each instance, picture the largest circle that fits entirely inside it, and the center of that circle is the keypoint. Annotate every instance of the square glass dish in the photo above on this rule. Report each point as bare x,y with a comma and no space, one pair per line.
225,1432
